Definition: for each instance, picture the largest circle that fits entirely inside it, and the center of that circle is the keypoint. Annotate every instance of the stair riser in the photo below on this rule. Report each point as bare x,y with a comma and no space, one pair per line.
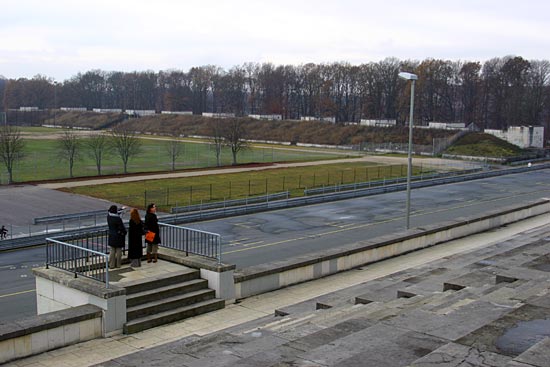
162,282
131,302
129,329
146,311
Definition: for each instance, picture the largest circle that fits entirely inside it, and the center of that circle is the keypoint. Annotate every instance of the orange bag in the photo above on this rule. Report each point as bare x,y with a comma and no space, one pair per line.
149,236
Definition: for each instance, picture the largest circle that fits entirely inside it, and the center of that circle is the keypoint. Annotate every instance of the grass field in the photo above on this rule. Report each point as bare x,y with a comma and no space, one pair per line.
167,193
42,160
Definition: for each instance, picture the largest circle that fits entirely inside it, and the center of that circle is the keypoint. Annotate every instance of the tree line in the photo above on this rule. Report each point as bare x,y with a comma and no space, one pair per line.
497,93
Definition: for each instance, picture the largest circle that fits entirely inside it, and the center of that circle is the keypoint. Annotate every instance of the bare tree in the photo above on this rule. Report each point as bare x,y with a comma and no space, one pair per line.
98,146
234,134
11,148
175,149
126,144
216,133
69,148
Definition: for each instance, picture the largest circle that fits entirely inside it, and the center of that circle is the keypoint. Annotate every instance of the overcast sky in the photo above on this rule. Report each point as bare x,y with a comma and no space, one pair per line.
59,38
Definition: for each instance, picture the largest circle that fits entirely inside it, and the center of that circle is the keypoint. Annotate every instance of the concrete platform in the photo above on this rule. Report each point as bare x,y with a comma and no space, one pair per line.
435,327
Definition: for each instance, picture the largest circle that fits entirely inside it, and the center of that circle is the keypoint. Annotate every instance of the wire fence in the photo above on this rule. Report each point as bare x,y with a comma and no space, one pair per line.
295,184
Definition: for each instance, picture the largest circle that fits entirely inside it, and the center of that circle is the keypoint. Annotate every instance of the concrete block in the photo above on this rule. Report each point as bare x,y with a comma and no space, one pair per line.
7,350
44,287
39,342
87,329
56,337
69,296
71,333
23,346
221,282
296,275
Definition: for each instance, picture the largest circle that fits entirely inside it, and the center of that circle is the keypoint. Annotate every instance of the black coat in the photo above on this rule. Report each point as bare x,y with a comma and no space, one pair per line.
117,231
135,240
152,224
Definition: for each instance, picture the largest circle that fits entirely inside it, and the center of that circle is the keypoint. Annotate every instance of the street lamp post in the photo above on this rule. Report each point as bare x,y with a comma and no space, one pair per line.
55,103
412,78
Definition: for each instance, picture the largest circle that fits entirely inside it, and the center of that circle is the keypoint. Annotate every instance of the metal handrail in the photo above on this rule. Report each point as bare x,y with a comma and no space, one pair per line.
190,240
78,260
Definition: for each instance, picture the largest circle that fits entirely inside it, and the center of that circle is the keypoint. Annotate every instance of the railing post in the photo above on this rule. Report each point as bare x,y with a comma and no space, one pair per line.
219,249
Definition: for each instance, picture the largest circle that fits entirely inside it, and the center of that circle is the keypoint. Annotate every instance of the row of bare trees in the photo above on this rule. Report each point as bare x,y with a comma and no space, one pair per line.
71,146
495,94
121,141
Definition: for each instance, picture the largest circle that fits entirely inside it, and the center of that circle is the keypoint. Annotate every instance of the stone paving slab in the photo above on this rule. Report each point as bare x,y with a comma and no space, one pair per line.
453,355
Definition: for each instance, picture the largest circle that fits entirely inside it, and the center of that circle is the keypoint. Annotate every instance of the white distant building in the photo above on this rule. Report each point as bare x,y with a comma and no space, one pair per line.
522,136
107,110
378,122
28,109
323,119
219,115
447,125
75,109
140,113
267,117
176,112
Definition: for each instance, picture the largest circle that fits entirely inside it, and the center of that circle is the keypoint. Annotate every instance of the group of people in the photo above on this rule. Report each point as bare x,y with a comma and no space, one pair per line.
136,230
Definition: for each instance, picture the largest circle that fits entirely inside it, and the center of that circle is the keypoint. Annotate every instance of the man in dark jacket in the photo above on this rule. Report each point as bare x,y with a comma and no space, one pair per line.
117,237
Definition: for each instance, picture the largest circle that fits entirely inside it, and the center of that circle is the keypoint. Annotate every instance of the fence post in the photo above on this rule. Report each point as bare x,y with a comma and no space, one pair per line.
210,192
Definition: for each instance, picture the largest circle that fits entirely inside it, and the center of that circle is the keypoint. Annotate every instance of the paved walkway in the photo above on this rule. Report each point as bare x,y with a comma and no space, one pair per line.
101,350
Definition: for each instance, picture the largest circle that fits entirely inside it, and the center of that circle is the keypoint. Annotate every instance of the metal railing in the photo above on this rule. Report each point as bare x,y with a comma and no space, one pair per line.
70,217
192,241
78,260
228,203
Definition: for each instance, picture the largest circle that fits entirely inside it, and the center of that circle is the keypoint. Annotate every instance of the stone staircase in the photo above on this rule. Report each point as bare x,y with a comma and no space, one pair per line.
167,299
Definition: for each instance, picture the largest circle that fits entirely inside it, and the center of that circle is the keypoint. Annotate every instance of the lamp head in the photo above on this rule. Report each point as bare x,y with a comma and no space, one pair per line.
408,76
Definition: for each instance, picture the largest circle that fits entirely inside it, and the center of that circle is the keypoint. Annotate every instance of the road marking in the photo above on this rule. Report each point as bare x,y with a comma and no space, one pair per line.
414,214
16,293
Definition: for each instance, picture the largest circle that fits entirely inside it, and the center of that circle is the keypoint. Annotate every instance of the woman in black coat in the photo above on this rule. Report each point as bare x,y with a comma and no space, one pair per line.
117,237
135,240
152,225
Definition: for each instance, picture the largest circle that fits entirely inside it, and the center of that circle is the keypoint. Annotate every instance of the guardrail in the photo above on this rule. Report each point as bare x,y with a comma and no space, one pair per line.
71,216
78,260
226,203
191,240
384,182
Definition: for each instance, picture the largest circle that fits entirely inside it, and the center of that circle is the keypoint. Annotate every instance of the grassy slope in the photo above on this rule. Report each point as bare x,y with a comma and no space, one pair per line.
484,145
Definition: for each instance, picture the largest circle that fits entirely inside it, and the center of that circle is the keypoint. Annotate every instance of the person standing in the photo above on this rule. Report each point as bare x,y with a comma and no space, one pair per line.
152,225
135,241
117,236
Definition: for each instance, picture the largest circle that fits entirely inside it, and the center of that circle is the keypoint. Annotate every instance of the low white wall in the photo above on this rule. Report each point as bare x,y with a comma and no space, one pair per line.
54,295
43,334
378,249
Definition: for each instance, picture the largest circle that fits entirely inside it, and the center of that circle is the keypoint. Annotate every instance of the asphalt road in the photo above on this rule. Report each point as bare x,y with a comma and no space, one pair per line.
258,238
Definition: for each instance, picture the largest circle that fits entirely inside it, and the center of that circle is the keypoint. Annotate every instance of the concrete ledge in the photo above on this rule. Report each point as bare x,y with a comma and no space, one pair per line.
193,261
266,277
45,332
83,284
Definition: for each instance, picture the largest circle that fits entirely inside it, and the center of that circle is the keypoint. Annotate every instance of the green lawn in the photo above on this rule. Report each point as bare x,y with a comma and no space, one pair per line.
42,160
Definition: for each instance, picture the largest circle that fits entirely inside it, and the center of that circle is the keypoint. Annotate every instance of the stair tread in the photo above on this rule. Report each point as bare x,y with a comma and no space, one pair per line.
169,299
173,278
173,311
165,288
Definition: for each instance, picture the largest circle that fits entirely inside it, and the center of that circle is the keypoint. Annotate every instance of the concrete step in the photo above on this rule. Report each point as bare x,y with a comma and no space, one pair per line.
167,291
173,315
161,281
169,303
